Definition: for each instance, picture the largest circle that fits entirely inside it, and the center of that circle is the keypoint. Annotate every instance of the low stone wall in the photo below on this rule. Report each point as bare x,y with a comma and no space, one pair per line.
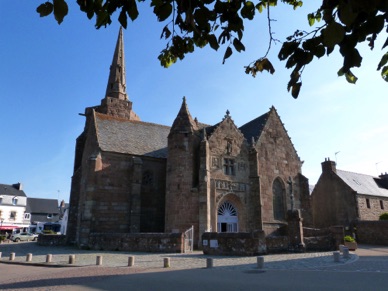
277,244
372,232
323,239
234,244
138,242
51,240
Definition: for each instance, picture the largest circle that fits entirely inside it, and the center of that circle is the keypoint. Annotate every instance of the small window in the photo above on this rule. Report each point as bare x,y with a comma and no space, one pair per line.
367,203
229,167
12,215
148,178
381,204
14,200
50,215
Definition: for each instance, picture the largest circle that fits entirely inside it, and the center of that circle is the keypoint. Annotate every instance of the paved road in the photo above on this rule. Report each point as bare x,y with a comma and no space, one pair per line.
367,269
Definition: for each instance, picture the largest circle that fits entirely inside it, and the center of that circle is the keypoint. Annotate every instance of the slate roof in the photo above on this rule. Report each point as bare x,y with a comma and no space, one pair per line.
11,190
254,128
42,206
363,184
131,136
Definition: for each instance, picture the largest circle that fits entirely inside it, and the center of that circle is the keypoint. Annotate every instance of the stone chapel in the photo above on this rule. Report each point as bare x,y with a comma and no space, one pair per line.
132,176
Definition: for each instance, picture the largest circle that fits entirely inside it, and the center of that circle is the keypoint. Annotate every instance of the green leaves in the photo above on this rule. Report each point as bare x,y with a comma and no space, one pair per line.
197,23
260,65
227,54
60,10
350,77
248,11
162,9
59,7
333,34
384,70
45,9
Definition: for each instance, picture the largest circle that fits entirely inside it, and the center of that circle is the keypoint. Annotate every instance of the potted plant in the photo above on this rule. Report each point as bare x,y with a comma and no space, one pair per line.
350,243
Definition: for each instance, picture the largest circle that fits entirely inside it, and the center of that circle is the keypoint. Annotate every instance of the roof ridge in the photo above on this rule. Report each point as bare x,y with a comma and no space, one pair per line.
121,119
358,173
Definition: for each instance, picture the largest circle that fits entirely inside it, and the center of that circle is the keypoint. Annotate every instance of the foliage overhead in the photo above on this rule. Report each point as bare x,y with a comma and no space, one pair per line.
198,23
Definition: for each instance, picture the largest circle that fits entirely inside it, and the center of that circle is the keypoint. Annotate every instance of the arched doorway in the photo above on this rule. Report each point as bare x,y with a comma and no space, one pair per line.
227,219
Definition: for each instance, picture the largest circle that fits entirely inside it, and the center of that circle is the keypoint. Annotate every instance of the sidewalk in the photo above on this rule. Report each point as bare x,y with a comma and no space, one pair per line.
195,260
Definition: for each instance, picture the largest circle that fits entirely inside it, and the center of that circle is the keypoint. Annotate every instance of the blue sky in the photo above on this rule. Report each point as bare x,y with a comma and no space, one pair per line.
49,73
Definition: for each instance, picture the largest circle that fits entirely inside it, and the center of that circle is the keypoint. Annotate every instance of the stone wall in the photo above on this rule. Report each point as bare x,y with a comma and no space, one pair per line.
371,207
138,242
372,232
333,201
234,244
277,244
278,159
52,240
323,239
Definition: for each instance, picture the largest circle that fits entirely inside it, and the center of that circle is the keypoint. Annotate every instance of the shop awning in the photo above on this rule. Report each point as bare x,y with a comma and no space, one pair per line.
9,227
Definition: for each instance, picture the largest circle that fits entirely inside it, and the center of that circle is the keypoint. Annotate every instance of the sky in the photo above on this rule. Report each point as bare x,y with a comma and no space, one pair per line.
49,73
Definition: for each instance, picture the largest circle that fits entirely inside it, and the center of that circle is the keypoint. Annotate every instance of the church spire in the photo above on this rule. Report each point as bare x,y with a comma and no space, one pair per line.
117,83
184,123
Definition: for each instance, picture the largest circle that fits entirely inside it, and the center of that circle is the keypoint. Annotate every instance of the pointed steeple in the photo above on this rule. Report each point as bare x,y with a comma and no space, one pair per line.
116,87
184,123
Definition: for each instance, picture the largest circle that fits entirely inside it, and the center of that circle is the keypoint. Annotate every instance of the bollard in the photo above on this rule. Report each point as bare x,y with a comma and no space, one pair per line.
341,248
131,261
99,260
260,262
166,262
209,263
0,254
346,253
71,259
29,257
12,256
336,255
49,258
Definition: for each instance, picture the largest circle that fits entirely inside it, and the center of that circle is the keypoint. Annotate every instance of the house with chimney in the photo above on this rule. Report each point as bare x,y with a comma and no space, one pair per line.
342,197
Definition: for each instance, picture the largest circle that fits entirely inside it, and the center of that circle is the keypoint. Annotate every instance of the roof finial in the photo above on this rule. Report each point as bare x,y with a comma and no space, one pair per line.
227,115
117,81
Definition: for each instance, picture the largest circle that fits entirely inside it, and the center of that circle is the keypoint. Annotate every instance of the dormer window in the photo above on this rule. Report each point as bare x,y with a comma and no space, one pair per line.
50,216
14,200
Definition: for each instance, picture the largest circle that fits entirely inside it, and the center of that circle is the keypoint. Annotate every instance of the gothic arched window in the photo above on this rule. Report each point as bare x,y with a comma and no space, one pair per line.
279,205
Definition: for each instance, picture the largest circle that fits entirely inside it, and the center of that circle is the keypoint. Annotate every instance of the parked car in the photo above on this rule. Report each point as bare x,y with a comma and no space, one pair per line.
24,236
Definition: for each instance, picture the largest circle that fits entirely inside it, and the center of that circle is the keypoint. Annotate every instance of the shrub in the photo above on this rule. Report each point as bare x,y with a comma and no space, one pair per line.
49,232
384,216
348,238
2,237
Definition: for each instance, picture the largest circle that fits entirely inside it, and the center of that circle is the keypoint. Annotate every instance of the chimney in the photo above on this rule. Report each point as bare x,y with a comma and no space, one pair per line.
328,166
384,176
18,186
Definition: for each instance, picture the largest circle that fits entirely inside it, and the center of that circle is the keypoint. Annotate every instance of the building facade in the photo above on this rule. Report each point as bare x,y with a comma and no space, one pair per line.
13,202
341,197
132,176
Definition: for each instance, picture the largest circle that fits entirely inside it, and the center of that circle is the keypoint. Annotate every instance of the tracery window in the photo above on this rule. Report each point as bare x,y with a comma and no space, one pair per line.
229,167
227,219
278,190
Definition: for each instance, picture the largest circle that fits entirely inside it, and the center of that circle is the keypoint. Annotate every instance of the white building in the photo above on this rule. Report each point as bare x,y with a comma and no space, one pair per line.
13,202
